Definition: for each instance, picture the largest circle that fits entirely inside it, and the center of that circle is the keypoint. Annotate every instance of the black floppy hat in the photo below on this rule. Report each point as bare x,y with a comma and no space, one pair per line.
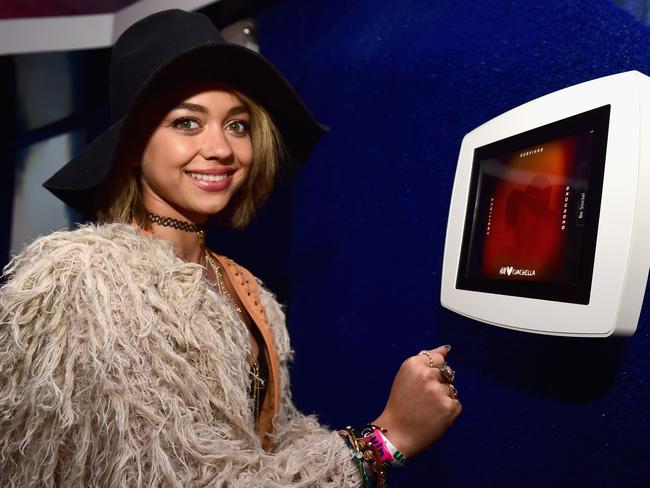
158,48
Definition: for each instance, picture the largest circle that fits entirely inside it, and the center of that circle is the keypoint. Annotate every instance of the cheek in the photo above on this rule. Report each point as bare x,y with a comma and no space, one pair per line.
167,151
158,164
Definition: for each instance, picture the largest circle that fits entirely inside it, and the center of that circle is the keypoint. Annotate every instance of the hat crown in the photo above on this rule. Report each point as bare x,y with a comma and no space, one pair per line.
150,44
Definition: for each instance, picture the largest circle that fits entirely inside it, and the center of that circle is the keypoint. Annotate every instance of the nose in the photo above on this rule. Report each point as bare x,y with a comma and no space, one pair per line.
216,146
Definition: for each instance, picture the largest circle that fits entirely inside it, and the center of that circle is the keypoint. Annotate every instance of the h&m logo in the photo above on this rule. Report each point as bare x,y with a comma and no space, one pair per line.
510,271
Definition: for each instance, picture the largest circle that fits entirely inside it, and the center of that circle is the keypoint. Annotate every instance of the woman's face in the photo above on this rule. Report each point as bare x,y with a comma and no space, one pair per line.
199,151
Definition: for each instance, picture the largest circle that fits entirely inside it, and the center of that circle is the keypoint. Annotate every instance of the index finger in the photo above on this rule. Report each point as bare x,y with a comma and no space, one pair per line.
442,350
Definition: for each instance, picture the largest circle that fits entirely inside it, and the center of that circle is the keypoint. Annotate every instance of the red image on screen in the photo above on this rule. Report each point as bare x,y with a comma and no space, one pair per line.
531,221
529,194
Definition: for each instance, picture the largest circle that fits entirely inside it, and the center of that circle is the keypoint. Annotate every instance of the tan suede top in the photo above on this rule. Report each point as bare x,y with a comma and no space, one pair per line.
245,286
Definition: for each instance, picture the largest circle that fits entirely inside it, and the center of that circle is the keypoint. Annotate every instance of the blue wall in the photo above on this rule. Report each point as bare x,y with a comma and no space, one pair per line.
400,83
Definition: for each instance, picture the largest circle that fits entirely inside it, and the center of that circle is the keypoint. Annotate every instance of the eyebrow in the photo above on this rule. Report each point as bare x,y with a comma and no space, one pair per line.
194,107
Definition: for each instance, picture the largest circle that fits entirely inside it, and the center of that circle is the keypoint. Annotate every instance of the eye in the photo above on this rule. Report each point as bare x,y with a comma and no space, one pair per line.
239,127
185,124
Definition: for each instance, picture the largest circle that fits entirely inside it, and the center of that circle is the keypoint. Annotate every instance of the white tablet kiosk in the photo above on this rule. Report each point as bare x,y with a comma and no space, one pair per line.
549,223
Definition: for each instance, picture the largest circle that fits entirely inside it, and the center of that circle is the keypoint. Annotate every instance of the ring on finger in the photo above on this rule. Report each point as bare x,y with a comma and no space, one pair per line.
426,353
447,374
453,391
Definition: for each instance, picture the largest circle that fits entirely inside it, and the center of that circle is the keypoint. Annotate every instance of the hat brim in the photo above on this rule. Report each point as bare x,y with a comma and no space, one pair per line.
234,65
76,182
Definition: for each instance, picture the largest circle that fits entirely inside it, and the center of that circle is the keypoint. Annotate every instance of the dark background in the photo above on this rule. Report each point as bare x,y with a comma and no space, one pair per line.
400,83
354,245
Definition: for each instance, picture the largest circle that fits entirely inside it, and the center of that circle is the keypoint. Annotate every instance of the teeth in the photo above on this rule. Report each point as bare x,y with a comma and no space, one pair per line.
208,177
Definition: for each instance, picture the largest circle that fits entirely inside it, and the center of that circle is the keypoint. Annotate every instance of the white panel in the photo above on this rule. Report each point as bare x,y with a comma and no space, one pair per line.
622,254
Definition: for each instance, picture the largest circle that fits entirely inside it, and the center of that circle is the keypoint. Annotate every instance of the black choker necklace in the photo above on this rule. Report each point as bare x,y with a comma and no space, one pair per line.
176,224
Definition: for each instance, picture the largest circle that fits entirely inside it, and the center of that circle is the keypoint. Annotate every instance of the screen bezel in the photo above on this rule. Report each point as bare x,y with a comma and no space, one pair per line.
579,292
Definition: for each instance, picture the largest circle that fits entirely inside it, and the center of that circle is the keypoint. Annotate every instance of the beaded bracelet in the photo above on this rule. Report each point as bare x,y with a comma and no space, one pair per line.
365,456
373,453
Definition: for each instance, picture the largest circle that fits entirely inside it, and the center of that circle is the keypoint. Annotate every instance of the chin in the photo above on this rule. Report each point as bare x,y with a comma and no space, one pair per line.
211,211
207,208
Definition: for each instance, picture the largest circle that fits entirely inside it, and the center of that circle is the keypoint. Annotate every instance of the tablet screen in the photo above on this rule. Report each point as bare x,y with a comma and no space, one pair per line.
532,215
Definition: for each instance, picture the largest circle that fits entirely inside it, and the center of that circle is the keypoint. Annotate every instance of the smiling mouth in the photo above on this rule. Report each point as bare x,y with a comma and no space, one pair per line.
203,177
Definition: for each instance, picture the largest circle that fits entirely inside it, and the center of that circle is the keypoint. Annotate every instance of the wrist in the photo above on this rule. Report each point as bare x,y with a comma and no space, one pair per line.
393,434
372,452
366,456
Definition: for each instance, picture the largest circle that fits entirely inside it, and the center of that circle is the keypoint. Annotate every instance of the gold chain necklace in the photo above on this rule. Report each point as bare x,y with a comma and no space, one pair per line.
221,285
257,384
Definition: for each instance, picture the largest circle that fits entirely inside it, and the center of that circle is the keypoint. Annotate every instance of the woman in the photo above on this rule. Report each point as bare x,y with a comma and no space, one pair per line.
131,355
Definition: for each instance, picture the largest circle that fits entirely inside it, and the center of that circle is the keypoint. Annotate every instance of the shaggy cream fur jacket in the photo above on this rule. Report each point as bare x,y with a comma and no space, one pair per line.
120,367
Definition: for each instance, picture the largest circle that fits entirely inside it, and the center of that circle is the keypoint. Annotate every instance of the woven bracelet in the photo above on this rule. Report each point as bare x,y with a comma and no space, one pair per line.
367,457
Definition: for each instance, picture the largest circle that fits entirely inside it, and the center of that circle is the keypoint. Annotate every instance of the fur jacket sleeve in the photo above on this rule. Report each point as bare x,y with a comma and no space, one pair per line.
120,367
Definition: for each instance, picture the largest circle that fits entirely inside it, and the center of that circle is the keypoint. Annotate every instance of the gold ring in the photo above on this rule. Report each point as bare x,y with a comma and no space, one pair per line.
426,353
447,374
453,391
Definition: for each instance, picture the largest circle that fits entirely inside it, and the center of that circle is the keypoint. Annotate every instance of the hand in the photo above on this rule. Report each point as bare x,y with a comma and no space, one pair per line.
419,408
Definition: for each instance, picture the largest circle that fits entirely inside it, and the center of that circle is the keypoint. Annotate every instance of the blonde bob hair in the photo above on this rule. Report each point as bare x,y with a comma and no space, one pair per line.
119,199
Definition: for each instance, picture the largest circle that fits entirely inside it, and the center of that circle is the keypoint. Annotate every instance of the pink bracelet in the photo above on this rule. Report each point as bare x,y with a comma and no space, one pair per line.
398,458
380,444
389,454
